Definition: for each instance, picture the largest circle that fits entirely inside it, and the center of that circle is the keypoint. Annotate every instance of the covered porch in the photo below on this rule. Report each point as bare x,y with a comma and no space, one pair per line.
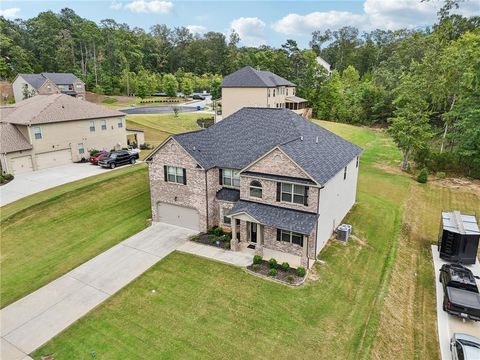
296,104
274,232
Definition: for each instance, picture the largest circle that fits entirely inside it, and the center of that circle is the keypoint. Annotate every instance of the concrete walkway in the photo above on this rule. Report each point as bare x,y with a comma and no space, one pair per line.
33,320
210,252
448,324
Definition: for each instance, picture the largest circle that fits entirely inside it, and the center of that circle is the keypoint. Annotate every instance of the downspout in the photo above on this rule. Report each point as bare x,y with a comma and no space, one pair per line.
206,195
316,225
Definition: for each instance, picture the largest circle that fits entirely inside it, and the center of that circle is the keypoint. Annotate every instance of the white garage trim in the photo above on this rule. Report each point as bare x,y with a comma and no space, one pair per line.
53,158
178,215
21,164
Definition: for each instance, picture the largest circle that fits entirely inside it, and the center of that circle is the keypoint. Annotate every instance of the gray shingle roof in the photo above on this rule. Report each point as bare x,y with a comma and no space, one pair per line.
36,80
61,78
230,195
278,217
246,135
289,179
250,77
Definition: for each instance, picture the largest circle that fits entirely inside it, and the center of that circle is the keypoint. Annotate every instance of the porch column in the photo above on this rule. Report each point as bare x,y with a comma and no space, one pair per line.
259,246
234,246
304,260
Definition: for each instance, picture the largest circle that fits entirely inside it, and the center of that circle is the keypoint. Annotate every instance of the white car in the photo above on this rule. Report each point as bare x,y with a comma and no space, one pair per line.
134,151
465,347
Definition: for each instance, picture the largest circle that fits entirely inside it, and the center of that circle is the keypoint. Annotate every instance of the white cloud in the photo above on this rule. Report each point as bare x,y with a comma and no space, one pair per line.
250,30
154,6
383,14
9,13
116,5
197,29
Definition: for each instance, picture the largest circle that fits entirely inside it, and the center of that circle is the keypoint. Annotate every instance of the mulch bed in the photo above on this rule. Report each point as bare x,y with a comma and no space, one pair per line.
205,239
282,275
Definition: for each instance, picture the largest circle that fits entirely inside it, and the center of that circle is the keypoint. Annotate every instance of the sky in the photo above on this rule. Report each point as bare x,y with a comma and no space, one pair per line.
257,22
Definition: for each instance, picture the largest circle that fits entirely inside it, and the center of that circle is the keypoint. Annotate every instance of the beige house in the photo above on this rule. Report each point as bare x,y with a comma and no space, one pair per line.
280,182
50,130
28,85
249,87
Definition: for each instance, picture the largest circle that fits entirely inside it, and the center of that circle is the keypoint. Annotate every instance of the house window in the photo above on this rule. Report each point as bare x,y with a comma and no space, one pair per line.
175,174
290,237
37,132
345,173
92,126
78,86
273,92
268,92
256,189
120,122
287,92
231,177
104,124
358,160
293,193
226,219
81,149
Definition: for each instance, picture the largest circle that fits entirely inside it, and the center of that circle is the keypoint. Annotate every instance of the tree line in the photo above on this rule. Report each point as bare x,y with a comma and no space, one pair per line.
422,84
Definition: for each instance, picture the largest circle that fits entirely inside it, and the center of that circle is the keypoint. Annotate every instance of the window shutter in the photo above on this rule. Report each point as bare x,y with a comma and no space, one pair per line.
279,190
305,199
220,176
184,176
165,172
279,234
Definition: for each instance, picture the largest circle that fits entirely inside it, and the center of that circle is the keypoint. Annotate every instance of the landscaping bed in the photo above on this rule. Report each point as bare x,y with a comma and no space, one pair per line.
214,237
280,272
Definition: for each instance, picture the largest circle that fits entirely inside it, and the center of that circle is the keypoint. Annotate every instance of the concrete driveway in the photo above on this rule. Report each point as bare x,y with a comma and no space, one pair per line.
35,181
35,319
448,324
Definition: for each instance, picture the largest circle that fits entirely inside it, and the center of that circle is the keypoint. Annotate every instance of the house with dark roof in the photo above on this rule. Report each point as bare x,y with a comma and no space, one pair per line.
28,85
279,182
51,130
249,87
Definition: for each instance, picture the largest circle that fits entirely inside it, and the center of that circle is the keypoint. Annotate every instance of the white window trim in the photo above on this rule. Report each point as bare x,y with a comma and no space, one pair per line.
256,188
120,123
175,174
80,146
92,127
292,193
37,133
232,178
290,234
103,124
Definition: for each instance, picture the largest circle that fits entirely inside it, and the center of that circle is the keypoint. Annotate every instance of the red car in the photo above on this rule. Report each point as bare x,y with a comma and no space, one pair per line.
98,156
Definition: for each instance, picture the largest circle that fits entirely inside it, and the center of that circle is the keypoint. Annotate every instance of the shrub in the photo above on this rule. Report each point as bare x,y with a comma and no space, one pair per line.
210,230
285,266
423,176
8,177
145,146
290,278
256,267
218,231
195,238
441,175
257,259
213,239
301,271
2,180
272,263
272,272
93,152
226,245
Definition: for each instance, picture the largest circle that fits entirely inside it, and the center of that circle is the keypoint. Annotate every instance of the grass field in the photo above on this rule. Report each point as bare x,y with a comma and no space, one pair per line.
47,234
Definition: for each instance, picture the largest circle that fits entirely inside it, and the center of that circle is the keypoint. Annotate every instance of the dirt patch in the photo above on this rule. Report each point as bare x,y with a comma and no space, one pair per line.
458,183
391,169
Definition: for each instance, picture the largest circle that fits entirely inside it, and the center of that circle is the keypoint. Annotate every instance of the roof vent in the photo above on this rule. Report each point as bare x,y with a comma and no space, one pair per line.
194,148
301,137
316,139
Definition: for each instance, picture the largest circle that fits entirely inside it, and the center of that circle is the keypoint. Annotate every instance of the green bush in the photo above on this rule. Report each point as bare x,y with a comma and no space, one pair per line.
210,230
290,278
272,263
195,238
2,180
257,259
8,177
423,176
213,239
441,174
145,146
256,267
224,238
272,272
285,266
93,152
218,231
301,271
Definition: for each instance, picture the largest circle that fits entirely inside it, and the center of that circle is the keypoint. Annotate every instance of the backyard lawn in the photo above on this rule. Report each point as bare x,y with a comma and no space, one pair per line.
371,298
47,234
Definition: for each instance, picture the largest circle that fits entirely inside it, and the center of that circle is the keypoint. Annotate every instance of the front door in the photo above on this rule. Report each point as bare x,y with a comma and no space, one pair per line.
253,232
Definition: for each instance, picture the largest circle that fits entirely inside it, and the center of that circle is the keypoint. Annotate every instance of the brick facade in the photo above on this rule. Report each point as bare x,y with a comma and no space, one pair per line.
277,163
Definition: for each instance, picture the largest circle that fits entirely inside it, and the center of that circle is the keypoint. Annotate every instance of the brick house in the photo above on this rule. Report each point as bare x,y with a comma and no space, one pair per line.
281,181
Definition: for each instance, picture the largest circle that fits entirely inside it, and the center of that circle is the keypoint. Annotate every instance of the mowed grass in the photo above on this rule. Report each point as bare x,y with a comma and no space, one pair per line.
204,309
47,234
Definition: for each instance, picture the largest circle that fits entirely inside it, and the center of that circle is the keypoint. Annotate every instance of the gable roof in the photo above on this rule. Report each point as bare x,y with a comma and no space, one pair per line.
61,78
36,80
11,139
42,109
250,133
250,77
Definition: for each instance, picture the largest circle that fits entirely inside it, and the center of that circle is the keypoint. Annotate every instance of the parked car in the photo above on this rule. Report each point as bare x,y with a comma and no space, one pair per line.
198,97
134,151
464,347
98,156
117,158
460,292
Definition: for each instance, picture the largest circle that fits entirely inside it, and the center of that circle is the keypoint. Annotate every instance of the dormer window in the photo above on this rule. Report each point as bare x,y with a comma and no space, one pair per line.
256,189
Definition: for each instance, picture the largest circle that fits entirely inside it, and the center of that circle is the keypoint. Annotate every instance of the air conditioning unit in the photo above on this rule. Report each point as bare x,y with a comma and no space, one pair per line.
343,232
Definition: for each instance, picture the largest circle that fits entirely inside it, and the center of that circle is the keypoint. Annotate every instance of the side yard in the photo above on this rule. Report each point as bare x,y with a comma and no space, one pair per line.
49,233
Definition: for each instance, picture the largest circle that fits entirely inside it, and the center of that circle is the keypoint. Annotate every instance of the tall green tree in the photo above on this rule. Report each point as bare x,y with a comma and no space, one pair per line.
170,85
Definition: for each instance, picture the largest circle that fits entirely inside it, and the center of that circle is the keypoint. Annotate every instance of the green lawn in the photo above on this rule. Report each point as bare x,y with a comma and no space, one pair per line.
47,234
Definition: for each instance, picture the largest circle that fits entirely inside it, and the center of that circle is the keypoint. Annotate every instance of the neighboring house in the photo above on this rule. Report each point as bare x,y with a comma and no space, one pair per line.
282,181
50,130
324,64
27,85
135,137
256,88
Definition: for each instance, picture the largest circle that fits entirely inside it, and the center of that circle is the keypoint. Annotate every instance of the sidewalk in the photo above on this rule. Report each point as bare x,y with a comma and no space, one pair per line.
211,252
35,319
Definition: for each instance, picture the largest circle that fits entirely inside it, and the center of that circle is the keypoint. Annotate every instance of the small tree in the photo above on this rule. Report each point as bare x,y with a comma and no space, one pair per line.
176,111
423,176
170,85
187,87
141,89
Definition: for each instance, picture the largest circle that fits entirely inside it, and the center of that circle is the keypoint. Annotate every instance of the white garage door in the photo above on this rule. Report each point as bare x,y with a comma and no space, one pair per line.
179,215
21,164
53,158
